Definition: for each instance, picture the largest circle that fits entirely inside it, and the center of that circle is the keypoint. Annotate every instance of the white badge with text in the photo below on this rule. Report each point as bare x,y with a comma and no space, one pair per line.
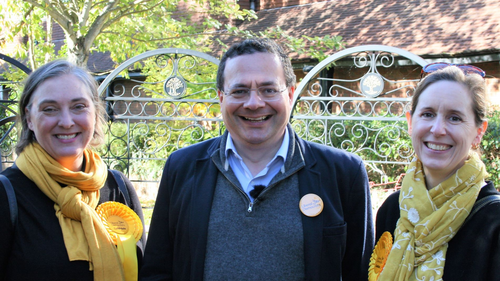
311,205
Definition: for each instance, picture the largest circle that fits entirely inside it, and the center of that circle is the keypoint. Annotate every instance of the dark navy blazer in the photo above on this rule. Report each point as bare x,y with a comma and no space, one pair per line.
337,243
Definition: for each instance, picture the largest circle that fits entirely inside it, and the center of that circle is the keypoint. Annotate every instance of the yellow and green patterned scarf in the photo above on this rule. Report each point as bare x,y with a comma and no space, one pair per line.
429,219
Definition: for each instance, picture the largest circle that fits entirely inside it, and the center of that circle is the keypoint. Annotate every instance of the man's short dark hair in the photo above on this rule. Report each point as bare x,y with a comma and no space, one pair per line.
257,45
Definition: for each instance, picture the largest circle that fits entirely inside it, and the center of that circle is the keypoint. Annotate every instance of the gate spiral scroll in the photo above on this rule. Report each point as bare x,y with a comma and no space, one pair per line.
361,107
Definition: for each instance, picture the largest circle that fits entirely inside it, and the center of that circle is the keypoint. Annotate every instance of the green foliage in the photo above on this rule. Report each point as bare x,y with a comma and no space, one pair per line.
126,28
491,147
13,81
123,28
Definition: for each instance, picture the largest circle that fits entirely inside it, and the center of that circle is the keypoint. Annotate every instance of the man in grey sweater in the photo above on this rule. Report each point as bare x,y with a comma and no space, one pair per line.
259,203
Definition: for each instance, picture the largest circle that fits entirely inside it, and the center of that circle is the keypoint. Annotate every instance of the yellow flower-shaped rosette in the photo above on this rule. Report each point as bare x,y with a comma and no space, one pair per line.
379,256
125,228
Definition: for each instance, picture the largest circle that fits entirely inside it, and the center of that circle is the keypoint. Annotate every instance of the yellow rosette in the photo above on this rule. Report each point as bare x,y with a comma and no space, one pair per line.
379,256
125,228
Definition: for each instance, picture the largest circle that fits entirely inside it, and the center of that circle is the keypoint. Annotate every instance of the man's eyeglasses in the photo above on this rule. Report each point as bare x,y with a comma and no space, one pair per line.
266,93
466,68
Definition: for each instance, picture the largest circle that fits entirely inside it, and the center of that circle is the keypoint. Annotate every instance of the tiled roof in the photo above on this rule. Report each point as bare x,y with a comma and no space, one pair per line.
423,27
440,28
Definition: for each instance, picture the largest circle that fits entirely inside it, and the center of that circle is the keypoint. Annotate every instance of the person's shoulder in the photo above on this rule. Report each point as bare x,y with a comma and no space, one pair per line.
489,200
9,175
390,206
392,199
485,215
117,177
488,189
387,215
14,174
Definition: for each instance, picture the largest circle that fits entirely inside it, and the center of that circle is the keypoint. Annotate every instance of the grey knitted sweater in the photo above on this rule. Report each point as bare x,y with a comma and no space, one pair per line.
259,241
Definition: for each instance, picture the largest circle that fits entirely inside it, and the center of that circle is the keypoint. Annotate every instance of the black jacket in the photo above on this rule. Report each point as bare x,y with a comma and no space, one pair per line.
35,249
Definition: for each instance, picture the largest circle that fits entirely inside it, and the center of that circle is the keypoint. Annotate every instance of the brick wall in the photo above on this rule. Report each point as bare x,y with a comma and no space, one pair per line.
271,4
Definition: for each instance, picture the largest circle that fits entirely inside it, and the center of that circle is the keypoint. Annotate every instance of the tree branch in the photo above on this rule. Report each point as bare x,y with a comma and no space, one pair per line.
124,13
87,5
60,18
99,24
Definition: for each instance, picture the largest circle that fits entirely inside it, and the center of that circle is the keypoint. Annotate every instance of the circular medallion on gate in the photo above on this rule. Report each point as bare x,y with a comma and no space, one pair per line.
175,87
372,85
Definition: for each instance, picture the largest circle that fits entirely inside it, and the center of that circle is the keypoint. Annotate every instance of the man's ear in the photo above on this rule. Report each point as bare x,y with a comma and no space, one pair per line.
291,93
221,95
408,120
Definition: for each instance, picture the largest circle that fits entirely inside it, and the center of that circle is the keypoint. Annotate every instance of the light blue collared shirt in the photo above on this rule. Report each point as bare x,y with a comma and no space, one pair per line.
265,176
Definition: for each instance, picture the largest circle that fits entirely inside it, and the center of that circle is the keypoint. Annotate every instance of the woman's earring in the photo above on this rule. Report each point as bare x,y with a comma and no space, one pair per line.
475,146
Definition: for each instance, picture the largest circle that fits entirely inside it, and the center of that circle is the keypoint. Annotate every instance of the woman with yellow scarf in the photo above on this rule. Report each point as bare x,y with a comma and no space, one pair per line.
58,182
439,231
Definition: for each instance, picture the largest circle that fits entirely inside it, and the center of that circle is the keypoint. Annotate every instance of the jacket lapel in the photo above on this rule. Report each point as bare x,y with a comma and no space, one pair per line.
201,203
309,182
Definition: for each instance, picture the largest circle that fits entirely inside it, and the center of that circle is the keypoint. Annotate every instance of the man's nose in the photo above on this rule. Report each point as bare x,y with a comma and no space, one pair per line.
254,100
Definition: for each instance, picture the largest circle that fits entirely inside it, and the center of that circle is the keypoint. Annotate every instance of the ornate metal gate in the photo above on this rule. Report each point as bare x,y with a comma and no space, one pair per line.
356,100
158,102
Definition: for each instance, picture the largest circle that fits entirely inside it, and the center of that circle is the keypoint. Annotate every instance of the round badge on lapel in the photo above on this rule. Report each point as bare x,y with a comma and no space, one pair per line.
311,205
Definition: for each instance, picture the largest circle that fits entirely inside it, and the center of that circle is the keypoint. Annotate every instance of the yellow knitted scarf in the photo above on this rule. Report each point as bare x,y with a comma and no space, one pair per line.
429,219
84,235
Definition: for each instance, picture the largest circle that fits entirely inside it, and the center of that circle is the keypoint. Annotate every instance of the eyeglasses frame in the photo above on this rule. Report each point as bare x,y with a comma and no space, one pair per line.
226,93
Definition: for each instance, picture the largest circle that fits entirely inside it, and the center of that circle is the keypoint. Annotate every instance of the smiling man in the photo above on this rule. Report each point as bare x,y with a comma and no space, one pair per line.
259,203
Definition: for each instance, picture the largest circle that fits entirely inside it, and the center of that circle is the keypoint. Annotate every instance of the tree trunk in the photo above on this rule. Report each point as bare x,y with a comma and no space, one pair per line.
77,53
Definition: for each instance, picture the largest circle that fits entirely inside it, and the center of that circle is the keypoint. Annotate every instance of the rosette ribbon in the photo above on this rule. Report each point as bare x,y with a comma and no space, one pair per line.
125,229
379,256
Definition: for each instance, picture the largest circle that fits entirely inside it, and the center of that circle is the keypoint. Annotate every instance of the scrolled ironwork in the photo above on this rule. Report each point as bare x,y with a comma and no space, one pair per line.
337,111
386,59
174,105
163,61
361,61
118,90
